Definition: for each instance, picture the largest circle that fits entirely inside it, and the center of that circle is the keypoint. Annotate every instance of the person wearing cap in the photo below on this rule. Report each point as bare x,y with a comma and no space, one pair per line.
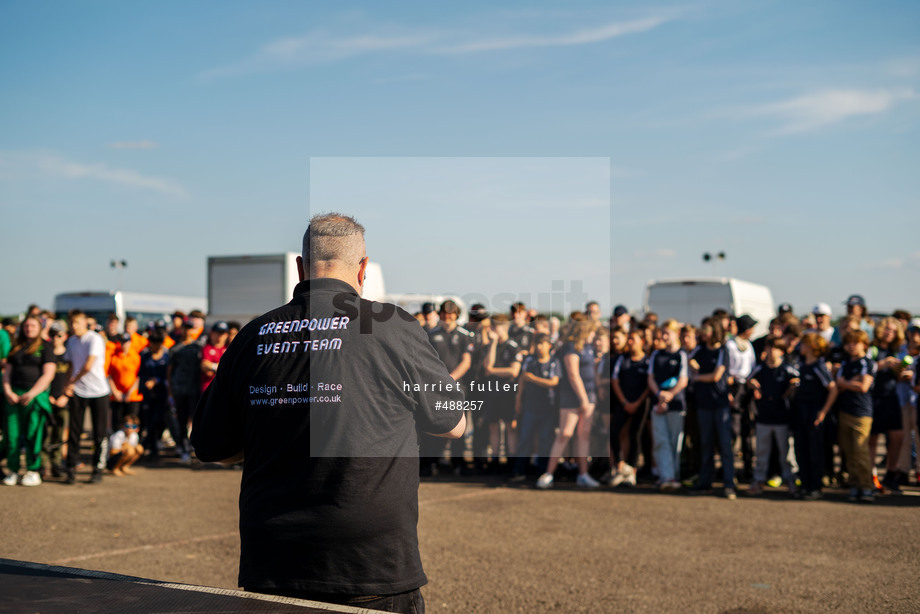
184,377
123,368
196,320
856,308
329,494
741,362
822,315
213,351
153,377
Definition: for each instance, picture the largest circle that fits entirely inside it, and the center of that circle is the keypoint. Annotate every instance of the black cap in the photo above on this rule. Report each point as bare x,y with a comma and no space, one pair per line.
784,308
428,308
619,310
123,338
855,299
745,322
220,327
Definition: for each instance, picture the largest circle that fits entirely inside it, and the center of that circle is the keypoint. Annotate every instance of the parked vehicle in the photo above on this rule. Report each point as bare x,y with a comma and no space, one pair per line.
143,306
691,300
241,288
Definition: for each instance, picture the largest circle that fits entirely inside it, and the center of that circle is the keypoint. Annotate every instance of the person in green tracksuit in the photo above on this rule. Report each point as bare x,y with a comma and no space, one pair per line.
29,370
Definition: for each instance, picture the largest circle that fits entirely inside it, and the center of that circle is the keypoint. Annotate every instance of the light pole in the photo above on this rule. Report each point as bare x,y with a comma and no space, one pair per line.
120,265
707,257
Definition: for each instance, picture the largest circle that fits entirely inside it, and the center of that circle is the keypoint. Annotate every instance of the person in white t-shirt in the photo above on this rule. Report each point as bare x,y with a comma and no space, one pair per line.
741,361
90,389
125,447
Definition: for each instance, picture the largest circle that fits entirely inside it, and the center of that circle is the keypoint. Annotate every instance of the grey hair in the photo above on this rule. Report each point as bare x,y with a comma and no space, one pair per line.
333,237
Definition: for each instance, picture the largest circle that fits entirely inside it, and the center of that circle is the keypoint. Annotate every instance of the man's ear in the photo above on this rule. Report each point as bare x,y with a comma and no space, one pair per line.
362,272
300,270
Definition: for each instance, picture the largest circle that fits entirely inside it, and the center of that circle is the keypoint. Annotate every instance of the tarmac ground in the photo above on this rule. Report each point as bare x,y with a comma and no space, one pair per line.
489,546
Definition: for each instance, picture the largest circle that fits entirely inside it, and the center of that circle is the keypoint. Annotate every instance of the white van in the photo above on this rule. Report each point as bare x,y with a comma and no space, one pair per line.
691,300
143,306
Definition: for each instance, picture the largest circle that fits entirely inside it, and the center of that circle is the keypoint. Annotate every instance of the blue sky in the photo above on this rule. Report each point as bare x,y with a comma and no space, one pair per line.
783,133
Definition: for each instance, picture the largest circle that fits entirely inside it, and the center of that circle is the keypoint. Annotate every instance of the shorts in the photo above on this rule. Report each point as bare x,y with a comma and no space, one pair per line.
886,415
569,400
113,461
498,406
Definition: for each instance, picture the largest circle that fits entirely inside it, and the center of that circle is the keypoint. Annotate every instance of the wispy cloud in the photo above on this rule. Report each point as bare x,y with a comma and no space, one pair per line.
322,46
26,165
133,145
318,47
579,37
818,110
908,261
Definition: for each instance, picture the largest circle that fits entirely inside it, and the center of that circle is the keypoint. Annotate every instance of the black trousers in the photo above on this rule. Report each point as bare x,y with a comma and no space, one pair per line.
99,411
809,451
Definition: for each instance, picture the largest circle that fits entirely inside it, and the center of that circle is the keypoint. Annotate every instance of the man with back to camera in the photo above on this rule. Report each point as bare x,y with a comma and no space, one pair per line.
325,398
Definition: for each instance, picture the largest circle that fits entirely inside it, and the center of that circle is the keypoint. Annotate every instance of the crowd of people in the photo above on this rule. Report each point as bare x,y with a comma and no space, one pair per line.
140,388
634,398
604,402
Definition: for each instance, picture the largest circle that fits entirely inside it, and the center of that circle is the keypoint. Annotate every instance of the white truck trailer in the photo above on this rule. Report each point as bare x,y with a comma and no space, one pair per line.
241,288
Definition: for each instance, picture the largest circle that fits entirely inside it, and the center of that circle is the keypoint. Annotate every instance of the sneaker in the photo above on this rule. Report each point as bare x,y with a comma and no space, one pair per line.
813,495
730,494
630,480
31,478
670,486
775,482
517,477
186,459
586,481
878,484
545,481
756,488
71,477
622,476
11,479
96,477
854,495
867,496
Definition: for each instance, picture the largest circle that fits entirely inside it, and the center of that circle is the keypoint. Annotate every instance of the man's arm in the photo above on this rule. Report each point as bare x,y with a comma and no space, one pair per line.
456,432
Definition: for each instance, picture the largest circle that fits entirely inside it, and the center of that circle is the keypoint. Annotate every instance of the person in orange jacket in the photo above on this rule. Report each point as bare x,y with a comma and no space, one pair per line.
123,369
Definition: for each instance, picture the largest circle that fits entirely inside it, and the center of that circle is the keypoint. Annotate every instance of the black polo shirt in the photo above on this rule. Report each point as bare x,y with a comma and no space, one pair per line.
857,404
326,396
773,407
711,395
522,335
451,345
